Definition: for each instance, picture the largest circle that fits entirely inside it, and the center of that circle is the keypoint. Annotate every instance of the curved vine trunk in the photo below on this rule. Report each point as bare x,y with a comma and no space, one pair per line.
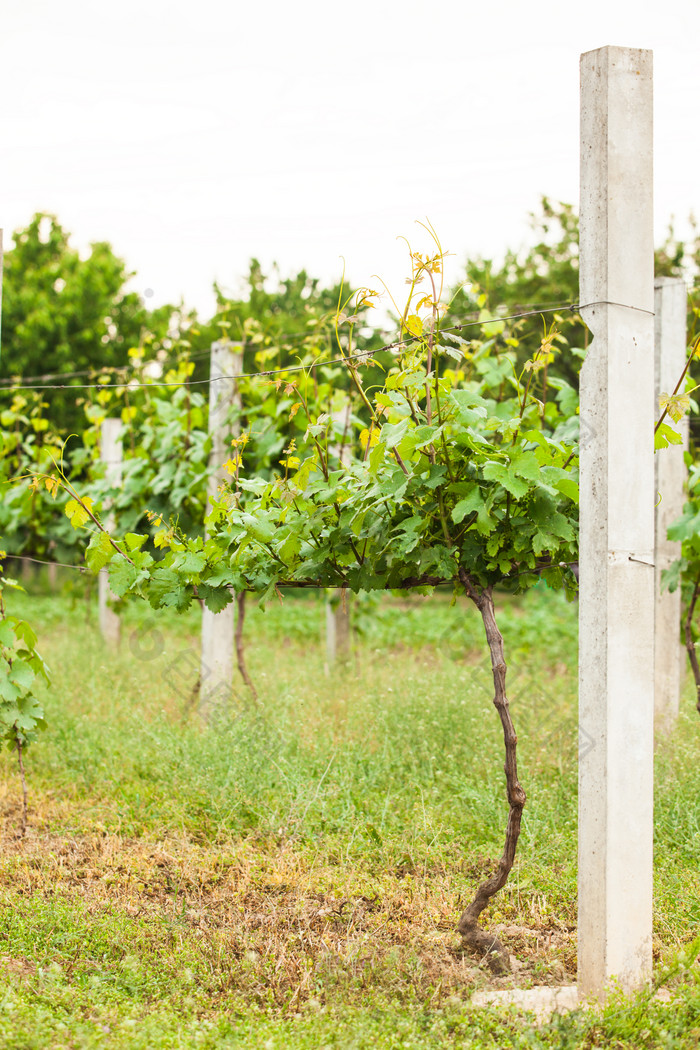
690,644
25,796
473,935
240,650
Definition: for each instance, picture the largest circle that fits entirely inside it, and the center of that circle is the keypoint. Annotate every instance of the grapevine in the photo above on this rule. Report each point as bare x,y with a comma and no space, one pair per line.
463,476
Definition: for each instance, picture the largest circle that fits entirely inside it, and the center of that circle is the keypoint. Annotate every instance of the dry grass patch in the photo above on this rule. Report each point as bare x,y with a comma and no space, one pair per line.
269,923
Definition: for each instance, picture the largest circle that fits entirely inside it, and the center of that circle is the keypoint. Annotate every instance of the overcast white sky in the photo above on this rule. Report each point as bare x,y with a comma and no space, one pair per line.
195,135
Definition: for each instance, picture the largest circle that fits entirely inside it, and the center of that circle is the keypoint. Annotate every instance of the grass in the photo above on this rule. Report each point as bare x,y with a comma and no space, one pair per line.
291,875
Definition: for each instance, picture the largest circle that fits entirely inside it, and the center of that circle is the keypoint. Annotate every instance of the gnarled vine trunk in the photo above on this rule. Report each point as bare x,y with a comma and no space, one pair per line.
473,935
690,644
240,649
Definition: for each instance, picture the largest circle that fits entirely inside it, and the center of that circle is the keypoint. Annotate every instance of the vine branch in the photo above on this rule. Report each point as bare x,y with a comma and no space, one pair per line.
689,643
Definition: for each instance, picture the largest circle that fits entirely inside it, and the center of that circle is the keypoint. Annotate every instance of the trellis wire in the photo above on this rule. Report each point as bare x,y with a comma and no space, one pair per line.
131,385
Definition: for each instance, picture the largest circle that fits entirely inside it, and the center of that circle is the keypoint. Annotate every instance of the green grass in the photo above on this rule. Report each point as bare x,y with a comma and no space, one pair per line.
291,875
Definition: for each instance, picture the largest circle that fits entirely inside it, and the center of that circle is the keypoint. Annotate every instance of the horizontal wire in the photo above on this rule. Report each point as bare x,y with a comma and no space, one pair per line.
365,353
625,306
288,337
42,561
110,369
310,585
318,363
293,368
532,308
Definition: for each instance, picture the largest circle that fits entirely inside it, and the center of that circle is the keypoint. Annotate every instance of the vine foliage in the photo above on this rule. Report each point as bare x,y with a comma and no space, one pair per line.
21,665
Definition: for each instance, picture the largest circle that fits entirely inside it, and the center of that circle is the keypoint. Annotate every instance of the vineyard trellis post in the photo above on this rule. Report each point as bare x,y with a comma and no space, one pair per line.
616,654
670,306
111,456
338,633
217,657
52,575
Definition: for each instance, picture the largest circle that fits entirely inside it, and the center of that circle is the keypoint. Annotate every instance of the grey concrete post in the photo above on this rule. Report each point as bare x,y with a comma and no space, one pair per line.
27,573
111,455
616,655
670,298
338,632
217,660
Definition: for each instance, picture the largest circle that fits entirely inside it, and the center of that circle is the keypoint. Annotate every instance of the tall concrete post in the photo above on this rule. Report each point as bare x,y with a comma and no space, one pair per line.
111,456
670,298
616,655
217,660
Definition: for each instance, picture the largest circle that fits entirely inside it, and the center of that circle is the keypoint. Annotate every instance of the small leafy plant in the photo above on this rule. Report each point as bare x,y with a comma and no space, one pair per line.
21,714
685,570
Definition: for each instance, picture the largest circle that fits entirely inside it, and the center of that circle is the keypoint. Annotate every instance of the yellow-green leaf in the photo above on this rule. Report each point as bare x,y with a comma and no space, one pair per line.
77,511
414,325
676,405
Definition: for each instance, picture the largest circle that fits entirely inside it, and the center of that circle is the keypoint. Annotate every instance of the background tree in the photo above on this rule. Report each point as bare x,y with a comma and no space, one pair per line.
546,274
280,320
63,313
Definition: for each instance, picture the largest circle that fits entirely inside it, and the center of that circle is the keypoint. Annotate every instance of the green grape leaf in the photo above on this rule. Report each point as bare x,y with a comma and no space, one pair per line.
7,634
123,576
21,675
506,476
215,598
99,552
8,690
78,512
665,435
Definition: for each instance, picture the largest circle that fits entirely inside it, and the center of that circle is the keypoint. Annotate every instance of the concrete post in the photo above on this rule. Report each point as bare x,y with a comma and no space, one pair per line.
670,299
27,574
616,655
338,632
111,455
217,660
